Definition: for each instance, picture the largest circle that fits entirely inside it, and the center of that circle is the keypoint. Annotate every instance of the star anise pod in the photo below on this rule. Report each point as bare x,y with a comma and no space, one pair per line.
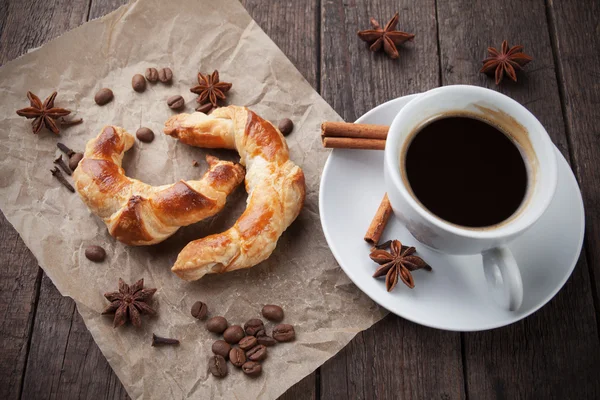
507,61
399,262
209,89
44,113
129,303
388,37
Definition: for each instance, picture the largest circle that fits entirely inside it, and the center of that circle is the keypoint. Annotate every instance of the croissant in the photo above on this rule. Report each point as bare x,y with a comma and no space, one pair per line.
137,213
275,187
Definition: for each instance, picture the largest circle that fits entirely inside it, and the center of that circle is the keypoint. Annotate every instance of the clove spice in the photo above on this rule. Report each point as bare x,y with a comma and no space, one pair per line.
59,161
161,341
65,149
58,175
69,122
384,245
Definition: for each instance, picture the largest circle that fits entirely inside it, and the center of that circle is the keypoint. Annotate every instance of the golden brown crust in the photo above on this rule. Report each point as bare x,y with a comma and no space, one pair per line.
275,185
106,175
139,214
130,226
179,200
268,143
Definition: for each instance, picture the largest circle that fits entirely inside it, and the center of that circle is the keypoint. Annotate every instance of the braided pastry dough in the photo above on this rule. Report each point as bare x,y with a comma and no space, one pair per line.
275,187
137,213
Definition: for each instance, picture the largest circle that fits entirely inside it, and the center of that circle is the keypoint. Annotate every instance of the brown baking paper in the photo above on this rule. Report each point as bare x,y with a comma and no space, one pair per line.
301,275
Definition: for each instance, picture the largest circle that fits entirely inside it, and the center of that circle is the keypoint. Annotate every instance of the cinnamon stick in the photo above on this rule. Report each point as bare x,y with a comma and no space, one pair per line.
379,222
353,143
350,130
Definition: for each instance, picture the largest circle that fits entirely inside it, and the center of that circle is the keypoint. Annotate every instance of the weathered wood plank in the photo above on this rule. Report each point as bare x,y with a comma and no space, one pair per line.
303,390
99,8
354,80
86,372
555,352
293,26
575,35
29,24
19,284
395,358
64,361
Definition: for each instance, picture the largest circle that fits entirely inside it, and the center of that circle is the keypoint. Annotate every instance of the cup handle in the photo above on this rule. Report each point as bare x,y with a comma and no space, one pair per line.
503,277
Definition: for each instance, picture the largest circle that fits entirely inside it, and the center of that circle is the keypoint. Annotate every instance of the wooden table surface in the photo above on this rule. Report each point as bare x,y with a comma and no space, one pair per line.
47,352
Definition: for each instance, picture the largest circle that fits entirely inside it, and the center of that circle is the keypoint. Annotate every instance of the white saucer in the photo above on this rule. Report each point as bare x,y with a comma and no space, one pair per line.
453,296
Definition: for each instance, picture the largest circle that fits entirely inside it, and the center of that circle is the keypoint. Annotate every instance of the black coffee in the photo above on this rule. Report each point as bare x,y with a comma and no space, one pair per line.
466,171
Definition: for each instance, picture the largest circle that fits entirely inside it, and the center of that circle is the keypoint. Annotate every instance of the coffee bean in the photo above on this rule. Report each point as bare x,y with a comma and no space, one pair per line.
252,326
145,135
138,82
165,75
95,253
237,356
260,333
221,348
257,353
151,74
286,126
284,333
199,310
247,343
233,334
175,102
204,108
266,340
251,368
103,96
74,160
217,324
272,312
217,366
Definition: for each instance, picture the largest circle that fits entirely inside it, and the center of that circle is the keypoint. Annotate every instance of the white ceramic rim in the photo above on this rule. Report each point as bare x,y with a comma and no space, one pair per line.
532,212
357,280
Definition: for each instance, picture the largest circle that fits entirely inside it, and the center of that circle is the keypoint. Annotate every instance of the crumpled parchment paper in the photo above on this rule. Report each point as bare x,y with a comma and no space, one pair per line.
302,276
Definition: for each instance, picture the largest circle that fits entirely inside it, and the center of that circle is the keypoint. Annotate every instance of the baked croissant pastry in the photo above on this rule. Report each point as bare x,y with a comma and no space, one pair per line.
275,187
137,213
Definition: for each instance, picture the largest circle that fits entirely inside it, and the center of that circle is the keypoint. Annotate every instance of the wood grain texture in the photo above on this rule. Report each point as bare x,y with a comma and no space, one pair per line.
293,26
303,390
19,283
354,80
576,36
29,24
99,8
64,361
554,353
395,358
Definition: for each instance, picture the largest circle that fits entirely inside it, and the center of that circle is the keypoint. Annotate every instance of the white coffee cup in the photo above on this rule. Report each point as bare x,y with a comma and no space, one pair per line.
501,269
